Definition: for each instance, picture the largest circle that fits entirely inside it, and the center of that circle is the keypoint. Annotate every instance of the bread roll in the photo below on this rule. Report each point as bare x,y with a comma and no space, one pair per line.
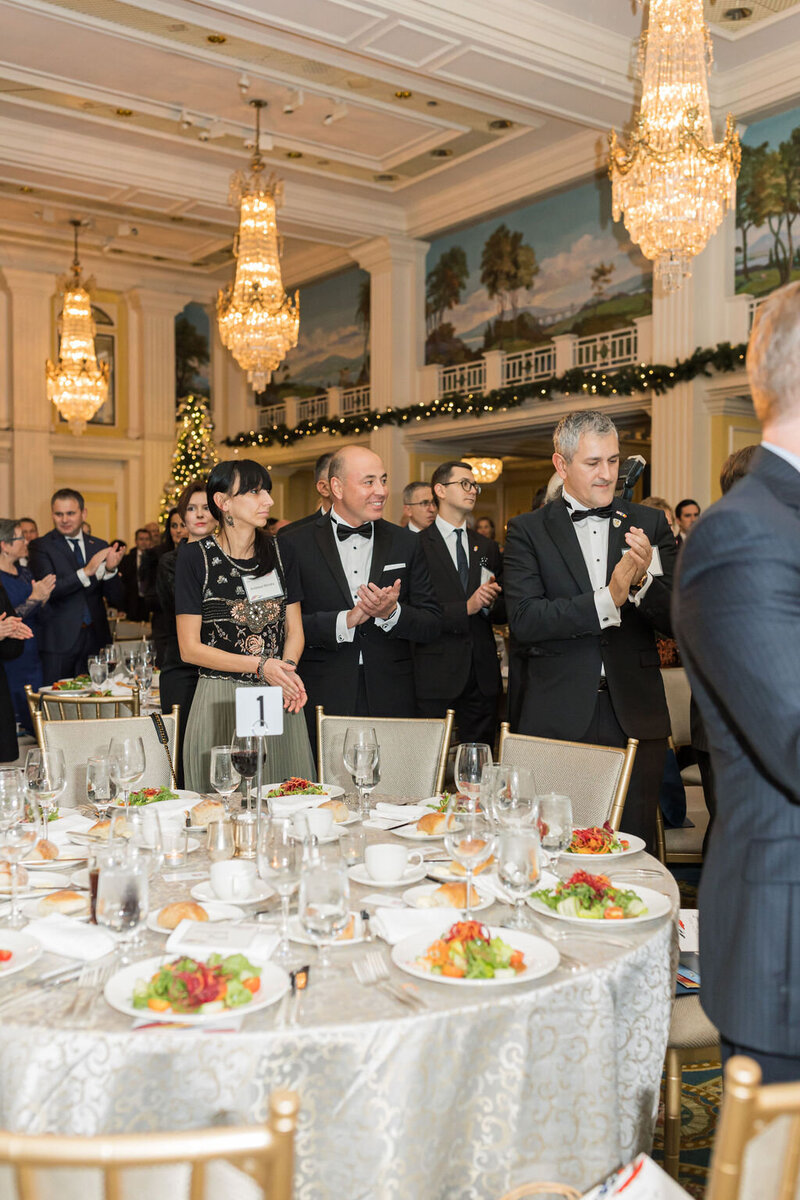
65,901
339,809
207,810
432,823
5,876
454,895
182,910
102,829
44,851
348,933
457,869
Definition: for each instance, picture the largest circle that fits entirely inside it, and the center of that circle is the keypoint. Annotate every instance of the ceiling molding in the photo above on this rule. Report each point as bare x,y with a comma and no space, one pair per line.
758,84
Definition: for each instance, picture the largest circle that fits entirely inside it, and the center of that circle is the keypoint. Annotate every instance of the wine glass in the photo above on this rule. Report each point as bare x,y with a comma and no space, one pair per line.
111,655
376,776
324,906
219,840
142,672
18,836
142,838
517,854
123,898
278,865
244,756
468,839
101,790
508,794
471,758
555,826
98,670
127,763
360,755
224,777
45,777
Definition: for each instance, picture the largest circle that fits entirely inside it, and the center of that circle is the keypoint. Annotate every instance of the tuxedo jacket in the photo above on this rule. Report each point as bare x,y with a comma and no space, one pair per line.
63,615
737,620
329,669
561,646
441,668
308,519
136,606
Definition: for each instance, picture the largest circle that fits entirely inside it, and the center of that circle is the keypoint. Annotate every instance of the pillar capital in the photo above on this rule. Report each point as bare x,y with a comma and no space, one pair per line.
382,253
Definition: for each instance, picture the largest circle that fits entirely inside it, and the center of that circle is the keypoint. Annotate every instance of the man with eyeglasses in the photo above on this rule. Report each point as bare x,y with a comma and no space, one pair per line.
419,506
461,669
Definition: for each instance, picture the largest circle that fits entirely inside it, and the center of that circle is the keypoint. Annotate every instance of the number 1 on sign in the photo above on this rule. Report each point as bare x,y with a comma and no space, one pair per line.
259,711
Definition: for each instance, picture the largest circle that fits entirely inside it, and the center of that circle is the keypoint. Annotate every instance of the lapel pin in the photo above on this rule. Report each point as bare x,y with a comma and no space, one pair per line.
616,522
475,548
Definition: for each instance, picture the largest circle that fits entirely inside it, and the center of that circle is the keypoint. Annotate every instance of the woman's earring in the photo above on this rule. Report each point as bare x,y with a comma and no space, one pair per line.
228,519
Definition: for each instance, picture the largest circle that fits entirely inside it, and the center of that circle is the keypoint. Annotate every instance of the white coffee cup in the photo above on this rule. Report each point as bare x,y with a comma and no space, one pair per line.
319,821
389,862
233,879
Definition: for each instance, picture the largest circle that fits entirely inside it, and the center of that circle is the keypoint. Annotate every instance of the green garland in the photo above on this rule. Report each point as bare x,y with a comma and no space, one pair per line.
627,381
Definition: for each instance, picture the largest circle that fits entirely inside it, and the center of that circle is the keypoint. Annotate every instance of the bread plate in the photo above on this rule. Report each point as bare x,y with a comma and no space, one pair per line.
45,881
118,992
414,895
216,910
410,833
67,861
541,958
34,912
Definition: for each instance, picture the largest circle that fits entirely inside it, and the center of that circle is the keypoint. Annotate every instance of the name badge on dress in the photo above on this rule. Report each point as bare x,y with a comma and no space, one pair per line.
263,587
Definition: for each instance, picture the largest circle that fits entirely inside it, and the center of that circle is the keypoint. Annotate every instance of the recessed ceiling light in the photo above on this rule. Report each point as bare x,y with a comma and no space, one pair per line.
386,178
737,14
124,112
293,154
500,123
432,103
402,94
159,258
441,152
216,39
177,220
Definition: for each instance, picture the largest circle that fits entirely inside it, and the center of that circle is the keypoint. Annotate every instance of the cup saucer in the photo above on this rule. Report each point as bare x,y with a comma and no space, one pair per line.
204,891
360,874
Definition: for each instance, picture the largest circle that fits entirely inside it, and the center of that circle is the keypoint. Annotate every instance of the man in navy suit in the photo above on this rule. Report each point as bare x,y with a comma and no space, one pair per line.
74,623
367,597
737,619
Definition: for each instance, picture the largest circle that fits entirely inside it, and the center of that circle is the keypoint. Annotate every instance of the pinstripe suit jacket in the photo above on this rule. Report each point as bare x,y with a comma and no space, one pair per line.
737,618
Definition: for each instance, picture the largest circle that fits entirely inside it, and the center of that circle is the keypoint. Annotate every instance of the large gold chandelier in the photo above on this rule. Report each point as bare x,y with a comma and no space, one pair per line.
674,183
77,384
257,320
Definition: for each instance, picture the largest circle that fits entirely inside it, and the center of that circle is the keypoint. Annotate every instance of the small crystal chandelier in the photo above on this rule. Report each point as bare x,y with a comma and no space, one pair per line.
257,321
485,470
77,384
674,183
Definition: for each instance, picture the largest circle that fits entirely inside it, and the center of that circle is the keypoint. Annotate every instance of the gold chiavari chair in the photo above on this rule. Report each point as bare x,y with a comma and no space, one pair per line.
692,1040
64,707
265,1153
81,739
756,1153
413,751
596,778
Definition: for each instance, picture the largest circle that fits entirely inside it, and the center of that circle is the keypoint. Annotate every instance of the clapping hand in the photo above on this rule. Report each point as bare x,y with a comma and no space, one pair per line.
14,627
41,588
632,566
114,557
483,596
378,602
284,675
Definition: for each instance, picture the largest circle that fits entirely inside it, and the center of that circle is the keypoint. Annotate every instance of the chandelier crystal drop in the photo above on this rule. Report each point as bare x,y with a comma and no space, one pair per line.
485,470
258,322
674,183
77,384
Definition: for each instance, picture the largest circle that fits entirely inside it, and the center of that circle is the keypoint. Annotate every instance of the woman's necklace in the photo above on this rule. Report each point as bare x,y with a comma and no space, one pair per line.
234,563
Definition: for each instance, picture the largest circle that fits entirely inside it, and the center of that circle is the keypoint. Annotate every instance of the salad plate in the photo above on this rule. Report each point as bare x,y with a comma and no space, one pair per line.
328,791
634,846
656,905
415,898
119,991
541,958
17,951
216,910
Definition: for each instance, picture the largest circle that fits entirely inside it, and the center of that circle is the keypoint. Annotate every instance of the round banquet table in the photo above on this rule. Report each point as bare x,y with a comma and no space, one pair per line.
556,1079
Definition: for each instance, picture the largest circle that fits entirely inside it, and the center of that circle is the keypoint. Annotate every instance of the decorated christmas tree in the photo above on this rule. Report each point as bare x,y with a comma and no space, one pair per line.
194,454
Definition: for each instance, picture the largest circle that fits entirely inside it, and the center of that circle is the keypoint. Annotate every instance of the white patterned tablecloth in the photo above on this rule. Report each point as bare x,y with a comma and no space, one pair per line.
558,1079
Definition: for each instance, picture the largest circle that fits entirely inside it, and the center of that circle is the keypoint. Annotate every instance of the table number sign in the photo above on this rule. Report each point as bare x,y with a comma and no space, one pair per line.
259,711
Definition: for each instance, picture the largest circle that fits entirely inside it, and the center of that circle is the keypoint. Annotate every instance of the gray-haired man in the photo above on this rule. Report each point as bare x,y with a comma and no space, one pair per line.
587,581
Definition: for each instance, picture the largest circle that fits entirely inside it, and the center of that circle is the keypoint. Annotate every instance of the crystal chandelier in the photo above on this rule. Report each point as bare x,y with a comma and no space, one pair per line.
77,384
485,470
257,321
674,183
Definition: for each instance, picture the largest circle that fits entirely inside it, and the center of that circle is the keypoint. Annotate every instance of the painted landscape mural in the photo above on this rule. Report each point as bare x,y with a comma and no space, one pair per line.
333,346
559,265
768,205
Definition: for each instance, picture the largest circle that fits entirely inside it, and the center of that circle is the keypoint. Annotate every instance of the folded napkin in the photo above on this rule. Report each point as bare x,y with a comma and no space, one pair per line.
401,812
395,924
491,887
58,831
222,937
689,930
70,938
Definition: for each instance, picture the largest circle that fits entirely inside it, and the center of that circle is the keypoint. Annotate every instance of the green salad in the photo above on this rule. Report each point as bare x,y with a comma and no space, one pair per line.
151,795
468,951
593,897
188,985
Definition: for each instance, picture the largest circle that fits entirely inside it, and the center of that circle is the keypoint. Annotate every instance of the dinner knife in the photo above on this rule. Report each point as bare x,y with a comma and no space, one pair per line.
299,984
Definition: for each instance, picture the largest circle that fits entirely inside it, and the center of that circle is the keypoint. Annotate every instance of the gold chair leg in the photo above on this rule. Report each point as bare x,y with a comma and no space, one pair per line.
672,1113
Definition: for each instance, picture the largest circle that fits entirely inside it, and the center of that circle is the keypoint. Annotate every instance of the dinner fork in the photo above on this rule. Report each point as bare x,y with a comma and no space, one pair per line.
371,971
93,976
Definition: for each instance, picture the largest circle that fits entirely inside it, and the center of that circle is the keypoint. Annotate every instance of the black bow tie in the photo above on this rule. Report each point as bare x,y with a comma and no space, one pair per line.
581,513
343,532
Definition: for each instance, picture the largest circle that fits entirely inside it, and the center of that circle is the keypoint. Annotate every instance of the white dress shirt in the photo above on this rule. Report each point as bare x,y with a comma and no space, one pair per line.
792,459
449,533
100,573
355,554
414,528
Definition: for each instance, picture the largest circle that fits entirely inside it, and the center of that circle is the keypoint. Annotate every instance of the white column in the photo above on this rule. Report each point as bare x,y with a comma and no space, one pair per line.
397,345
673,337
31,341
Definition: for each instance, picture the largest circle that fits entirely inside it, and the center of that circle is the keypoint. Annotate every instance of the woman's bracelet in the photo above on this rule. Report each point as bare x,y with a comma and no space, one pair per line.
260,668
290,662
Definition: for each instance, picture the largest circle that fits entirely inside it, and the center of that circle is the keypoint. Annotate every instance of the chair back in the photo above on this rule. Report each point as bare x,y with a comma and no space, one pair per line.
124,629
55,707
679,697
595,778
413,752
756,1152
81,740
264,1153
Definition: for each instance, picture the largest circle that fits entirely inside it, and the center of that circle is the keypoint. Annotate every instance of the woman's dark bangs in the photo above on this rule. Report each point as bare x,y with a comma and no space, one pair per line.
251,474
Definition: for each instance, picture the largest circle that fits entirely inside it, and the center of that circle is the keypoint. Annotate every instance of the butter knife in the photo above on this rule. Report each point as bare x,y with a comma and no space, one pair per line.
299,984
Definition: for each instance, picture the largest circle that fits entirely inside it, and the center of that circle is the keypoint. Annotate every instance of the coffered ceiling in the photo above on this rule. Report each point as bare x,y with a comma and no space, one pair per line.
383,116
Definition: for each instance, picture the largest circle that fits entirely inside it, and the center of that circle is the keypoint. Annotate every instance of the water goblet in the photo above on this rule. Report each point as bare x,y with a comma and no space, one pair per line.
468,839
224,777
360,756
517,854
324,906
508,794
279,866
123,899
98,670
127,763
18,835
471,758
45,777
555,826
101,790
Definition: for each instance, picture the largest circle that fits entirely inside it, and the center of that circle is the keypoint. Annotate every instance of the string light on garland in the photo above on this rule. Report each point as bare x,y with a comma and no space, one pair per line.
195,453
627,381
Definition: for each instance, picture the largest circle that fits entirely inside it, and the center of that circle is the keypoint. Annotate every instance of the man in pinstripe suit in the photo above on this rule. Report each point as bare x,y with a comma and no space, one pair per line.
737,618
